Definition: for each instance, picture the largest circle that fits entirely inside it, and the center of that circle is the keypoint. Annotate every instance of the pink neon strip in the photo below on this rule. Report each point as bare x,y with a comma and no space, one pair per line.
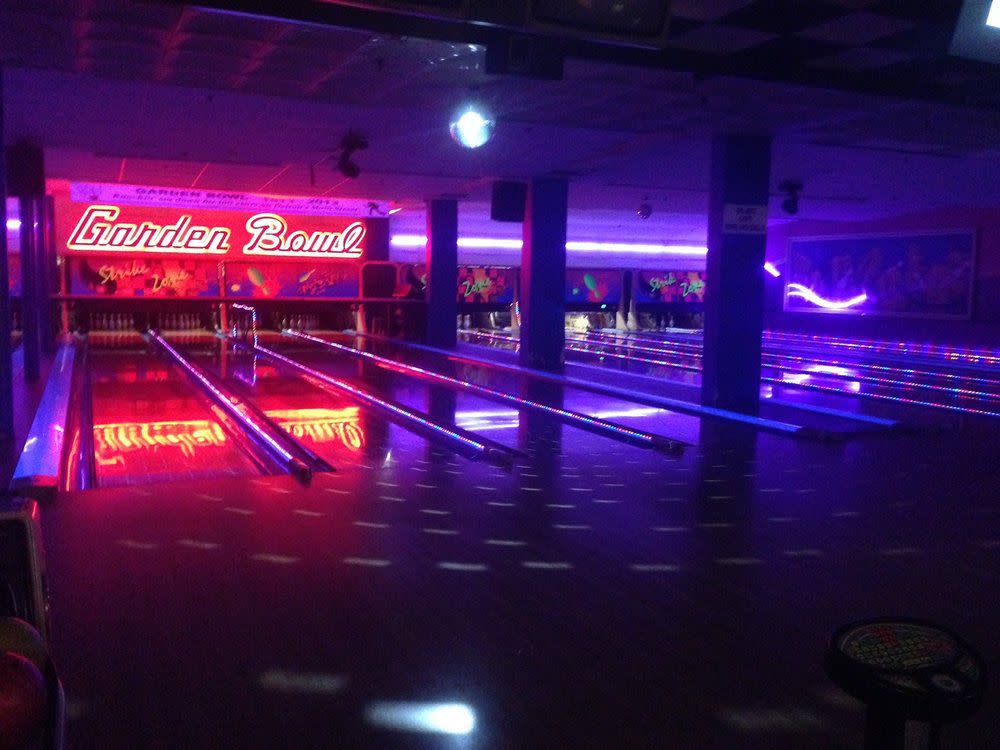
479,448
233,408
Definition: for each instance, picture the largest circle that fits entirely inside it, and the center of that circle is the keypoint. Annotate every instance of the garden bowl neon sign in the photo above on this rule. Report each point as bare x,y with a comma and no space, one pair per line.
803,292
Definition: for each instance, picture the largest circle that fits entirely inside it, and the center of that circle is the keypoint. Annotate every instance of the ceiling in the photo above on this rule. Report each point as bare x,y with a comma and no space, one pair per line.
171,94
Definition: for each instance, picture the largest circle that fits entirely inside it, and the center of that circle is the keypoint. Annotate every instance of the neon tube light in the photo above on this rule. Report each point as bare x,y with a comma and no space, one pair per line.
574,246
13,225
644,439
804,292
772,269
231,406
993,19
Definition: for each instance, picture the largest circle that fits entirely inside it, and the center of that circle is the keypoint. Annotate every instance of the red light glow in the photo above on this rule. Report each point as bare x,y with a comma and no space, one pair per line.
113,441
322,425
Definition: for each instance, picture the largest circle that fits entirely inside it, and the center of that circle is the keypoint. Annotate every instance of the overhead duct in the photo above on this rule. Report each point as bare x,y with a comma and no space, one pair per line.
636,23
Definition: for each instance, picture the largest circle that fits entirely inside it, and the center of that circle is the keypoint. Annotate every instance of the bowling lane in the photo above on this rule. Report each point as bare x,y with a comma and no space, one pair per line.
334,427
150,424
790,384
477,413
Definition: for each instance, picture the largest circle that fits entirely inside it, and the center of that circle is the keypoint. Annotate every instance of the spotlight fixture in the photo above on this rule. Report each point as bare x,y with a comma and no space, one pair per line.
349,144
645,210
791,190
472,125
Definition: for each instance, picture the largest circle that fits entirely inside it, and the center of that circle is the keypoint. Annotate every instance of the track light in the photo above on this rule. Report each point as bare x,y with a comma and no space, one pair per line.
791,189
350,143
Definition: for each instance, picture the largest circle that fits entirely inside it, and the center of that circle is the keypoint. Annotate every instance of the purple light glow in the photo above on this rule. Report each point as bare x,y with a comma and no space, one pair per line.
804,292
789,376
13,225
478,449
832,367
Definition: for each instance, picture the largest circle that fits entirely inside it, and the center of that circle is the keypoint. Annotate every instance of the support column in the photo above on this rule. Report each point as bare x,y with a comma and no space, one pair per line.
30,299
377,239
44,265
6,376
543,275
734,294
442,273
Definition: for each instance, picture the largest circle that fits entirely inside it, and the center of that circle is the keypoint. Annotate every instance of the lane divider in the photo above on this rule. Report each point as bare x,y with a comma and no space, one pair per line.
803,386
662,402
823,367
461,441
261,435
593,424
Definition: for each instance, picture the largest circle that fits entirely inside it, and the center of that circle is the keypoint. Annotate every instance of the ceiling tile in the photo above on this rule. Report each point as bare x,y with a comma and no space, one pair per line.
720,39
700,10
856,28
859,59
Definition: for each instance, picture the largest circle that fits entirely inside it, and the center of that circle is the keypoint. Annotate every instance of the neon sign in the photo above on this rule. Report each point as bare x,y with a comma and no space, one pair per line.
803,292
262,234
268,236
98,230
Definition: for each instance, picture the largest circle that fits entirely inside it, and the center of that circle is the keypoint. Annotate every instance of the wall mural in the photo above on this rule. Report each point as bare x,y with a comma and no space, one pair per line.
291,279
919,275
670,286
145,277
484,284
604,286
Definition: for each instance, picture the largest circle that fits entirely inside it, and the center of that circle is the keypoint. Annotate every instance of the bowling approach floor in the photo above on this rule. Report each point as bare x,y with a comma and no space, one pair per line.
593,595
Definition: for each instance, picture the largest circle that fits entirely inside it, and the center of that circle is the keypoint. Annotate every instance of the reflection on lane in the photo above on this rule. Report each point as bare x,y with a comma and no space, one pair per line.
151,425
479,414
333,427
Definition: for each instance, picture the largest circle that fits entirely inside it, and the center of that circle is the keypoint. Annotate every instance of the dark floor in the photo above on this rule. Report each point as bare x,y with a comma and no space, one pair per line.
596,595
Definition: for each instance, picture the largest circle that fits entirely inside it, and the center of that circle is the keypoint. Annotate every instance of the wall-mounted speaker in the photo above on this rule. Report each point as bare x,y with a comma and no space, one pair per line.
508,201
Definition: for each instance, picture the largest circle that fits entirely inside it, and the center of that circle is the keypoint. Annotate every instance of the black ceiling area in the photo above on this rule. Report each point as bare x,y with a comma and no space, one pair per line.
894,48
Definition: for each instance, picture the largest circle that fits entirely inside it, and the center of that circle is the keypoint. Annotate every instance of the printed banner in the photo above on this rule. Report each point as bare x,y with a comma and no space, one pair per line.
111,229
670,286
920,275
603,287
220,200
291,280
144,277
479,285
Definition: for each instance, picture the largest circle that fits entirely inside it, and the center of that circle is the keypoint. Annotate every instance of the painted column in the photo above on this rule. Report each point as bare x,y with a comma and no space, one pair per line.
6,376
734,293
442,273
543,275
